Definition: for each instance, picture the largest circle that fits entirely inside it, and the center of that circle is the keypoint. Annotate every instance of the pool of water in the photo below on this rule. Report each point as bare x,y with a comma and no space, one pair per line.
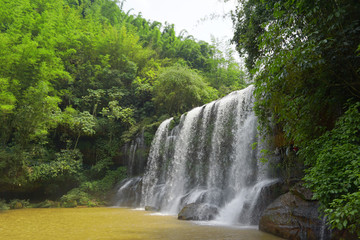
112,224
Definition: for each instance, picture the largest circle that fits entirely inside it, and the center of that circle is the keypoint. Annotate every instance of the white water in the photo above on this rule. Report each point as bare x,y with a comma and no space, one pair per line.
242,206
208,158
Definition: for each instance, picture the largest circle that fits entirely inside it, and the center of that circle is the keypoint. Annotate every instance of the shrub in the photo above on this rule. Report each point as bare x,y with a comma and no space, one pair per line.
334,173
18,204
4,205
47,204
74,198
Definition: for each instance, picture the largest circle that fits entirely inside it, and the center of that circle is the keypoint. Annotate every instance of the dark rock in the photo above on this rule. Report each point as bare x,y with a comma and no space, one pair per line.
151,209
304,193
292,217
343,234
267,195
198,211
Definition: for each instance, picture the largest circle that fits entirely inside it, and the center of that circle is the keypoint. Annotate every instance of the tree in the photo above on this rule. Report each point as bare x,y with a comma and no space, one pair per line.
75,76
301,50
178,89
248,20
225,74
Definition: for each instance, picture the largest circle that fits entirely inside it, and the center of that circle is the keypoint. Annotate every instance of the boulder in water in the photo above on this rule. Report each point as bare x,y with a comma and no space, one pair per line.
198,211
267,195
151,209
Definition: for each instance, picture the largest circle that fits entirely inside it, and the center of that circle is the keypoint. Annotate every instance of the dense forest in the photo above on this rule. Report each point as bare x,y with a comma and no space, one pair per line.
79,79
304,59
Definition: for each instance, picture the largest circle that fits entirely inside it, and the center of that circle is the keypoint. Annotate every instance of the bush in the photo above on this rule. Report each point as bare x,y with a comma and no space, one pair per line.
18,204
106,184
67,163
46,204
179,89
4,205
334,173
76,197
93,193
344,213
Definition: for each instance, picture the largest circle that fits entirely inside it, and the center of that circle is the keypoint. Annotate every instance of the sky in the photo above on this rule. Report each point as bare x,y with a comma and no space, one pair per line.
188,15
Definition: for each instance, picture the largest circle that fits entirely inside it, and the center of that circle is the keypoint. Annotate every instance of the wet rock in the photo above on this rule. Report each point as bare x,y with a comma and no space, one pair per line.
268,195
151,209
292,217
200,212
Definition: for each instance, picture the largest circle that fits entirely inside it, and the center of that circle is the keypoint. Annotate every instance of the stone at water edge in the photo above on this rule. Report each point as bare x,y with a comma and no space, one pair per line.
292,217
198,211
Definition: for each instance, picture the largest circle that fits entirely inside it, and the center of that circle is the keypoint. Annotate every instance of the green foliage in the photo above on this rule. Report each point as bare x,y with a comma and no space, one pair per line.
93,193
7,99
148,126
179,89
78,197
104,185
344,212
175,121
298,48
264,154
18,204
115,112
225,74
46,204
75,197
304,60
66,163
334,174
79,78
4,205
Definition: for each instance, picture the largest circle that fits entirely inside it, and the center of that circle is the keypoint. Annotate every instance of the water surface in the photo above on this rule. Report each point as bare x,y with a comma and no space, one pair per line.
111,224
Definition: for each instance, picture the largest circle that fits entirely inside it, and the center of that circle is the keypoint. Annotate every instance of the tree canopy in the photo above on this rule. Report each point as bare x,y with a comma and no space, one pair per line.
179,89
76,77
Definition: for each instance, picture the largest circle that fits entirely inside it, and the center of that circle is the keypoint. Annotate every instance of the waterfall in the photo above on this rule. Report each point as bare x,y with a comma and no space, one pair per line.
134,155
208,158
129,193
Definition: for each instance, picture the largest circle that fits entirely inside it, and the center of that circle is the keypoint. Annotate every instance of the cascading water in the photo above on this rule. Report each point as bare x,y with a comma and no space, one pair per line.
134,155
208,158
129,192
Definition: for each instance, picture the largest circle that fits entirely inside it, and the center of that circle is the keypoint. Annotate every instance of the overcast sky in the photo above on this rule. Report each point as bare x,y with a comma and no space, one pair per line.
188,15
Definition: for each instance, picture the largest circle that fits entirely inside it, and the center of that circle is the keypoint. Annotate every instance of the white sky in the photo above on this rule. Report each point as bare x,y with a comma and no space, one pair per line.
187,14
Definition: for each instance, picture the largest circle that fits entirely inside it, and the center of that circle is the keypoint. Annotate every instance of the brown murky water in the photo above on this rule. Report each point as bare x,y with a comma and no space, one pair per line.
111,224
